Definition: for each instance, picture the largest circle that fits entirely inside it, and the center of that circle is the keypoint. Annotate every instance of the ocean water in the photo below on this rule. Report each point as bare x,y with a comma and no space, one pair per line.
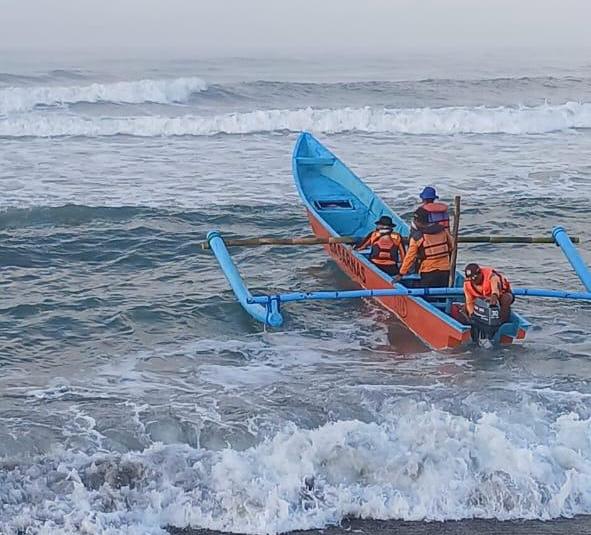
137,397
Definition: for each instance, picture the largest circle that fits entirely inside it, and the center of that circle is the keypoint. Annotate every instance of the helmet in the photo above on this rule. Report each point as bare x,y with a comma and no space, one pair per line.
428,194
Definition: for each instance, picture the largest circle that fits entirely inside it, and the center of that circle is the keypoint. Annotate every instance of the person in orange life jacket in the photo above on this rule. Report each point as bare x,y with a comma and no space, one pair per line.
387,251
486,283
438,211
431,244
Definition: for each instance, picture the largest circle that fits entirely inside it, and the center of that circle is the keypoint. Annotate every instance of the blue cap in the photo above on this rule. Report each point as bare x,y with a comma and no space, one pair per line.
428,193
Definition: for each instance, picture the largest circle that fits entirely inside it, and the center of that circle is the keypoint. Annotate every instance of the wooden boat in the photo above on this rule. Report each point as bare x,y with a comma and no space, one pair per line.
340,204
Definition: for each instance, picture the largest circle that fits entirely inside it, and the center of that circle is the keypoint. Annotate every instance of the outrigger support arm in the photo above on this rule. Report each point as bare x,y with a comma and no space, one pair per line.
572,255
266,308
268,313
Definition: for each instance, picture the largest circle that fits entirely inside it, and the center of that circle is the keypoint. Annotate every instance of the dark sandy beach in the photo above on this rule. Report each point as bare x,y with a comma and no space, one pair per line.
579,525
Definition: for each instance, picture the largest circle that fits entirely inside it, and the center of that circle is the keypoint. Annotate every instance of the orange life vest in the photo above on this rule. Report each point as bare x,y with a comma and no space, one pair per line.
486,287
434,246
438,213
384,249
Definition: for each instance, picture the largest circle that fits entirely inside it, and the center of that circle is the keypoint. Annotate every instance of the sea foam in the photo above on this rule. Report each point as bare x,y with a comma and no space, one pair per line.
438,121
418,463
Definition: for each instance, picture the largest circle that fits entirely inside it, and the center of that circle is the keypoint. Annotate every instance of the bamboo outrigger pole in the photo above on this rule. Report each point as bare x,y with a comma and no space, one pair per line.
313,240
305,240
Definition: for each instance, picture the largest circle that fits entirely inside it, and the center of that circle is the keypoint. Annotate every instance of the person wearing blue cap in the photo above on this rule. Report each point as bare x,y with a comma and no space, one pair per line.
428,194
438,211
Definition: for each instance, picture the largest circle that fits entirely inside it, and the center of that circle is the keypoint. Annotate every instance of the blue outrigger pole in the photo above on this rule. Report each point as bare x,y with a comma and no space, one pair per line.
416,292
269,313
266,308
570,251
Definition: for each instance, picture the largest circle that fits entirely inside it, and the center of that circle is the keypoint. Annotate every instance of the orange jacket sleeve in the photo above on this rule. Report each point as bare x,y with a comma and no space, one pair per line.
367,241
411,256
401,252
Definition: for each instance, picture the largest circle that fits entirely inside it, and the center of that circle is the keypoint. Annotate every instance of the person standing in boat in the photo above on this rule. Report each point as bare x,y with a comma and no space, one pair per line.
430,245
438,211
387,250
488,284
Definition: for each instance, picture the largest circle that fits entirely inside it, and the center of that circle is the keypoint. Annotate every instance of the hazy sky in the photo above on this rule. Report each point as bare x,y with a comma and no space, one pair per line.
234,27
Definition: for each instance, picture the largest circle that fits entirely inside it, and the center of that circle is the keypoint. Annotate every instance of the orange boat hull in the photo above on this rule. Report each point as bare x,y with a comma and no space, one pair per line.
434,331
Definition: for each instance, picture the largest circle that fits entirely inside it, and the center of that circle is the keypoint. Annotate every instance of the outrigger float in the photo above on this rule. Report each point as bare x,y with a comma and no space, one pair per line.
341,209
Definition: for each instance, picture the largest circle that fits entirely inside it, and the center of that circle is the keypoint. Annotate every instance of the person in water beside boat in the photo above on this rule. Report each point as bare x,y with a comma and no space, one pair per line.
387,250
438,211
430,245
489,284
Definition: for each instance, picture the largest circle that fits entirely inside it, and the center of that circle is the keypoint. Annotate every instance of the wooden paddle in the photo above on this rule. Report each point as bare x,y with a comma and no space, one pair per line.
313,240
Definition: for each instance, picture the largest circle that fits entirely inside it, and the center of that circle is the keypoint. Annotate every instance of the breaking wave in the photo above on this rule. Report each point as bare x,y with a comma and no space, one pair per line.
421,463
441,121
19,99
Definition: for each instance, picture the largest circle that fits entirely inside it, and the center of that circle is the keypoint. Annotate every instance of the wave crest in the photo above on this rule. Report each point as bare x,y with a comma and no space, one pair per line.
20,99
441,121
421,464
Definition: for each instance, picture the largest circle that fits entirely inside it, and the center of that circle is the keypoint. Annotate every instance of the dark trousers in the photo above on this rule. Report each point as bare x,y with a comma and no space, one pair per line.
434,279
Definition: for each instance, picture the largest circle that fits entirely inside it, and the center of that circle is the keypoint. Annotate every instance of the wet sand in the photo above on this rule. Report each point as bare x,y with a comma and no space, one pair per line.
580,525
